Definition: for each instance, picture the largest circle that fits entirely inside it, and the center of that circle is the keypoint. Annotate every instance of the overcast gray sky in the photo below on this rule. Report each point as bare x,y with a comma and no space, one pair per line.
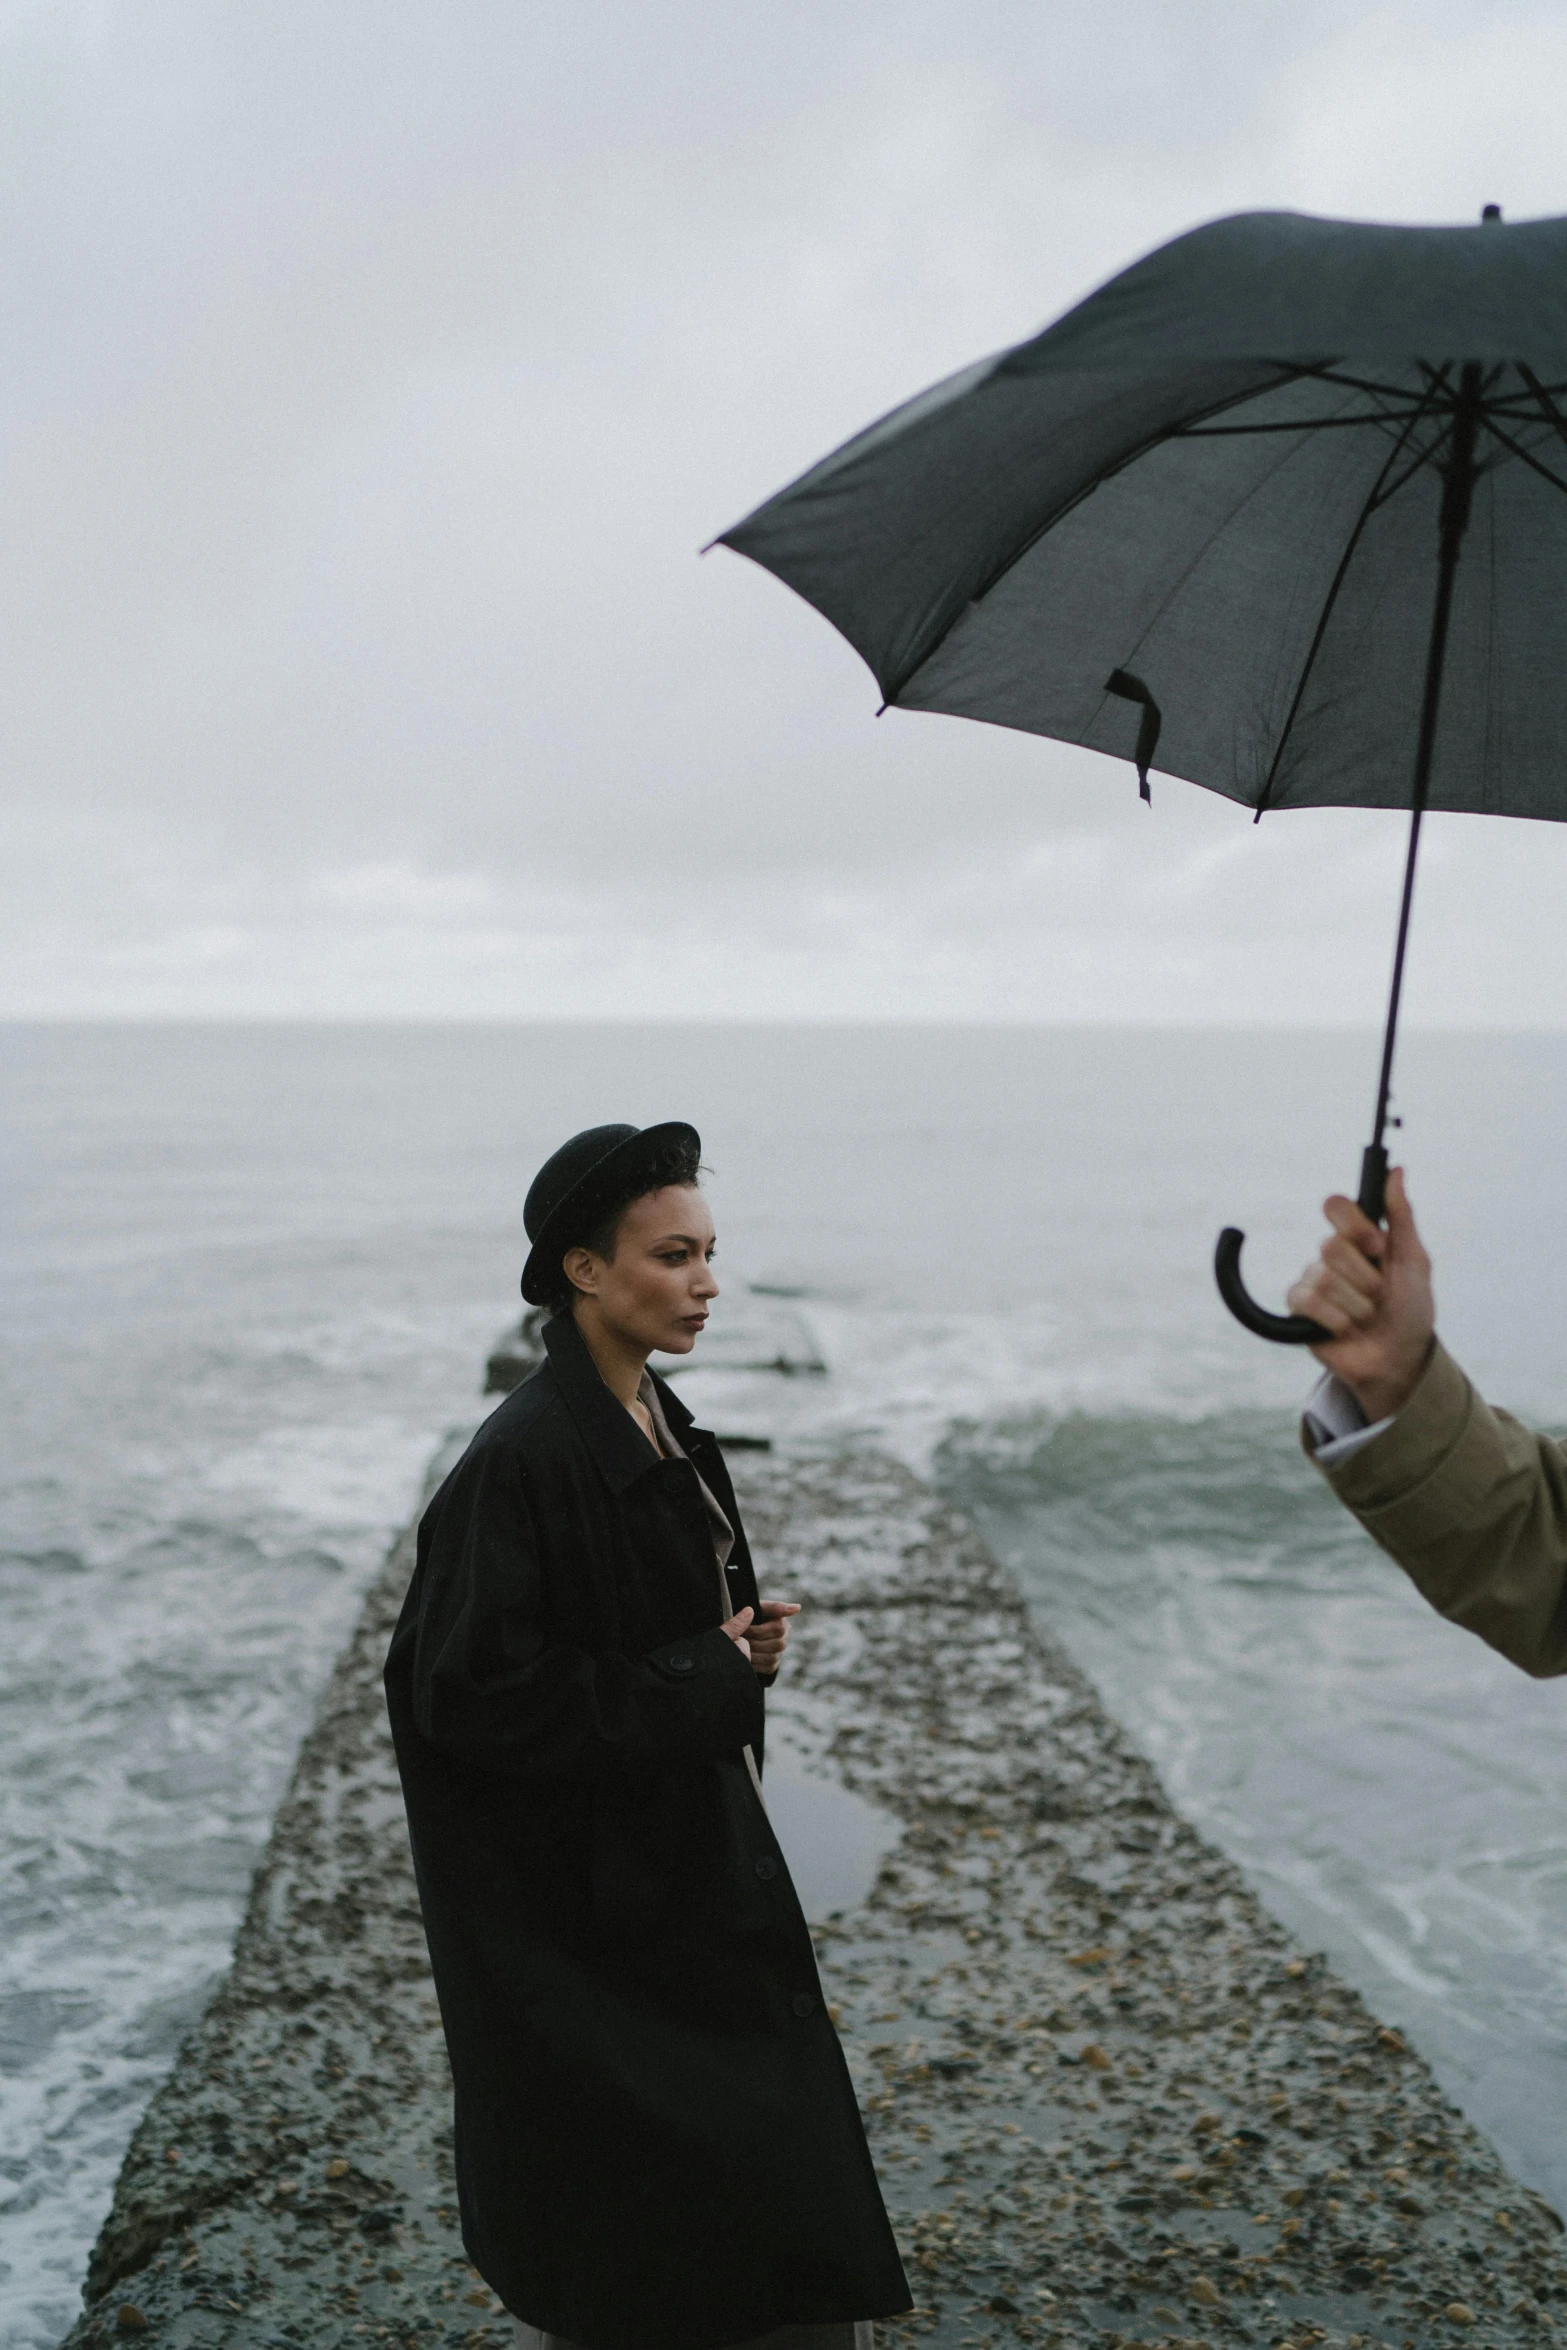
374,371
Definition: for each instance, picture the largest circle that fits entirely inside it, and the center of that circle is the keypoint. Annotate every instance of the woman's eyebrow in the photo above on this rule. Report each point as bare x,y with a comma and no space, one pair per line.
686,1240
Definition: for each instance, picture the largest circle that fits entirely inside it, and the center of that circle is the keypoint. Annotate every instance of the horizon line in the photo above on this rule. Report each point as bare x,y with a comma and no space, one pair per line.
825,1021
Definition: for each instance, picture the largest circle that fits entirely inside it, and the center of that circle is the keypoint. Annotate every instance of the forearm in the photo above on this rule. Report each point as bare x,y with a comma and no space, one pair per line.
1473,1506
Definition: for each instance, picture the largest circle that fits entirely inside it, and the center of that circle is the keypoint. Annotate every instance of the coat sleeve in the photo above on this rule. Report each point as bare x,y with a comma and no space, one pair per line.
1474,1509
489,1686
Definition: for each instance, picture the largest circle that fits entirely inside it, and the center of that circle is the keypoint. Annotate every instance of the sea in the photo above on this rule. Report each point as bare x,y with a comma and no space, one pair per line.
248,1277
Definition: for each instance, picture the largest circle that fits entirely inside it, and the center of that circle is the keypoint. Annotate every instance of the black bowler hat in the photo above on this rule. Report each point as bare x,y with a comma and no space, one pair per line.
572,1189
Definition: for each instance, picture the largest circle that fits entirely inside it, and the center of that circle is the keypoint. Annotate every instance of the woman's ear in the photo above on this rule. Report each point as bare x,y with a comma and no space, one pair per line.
580,1267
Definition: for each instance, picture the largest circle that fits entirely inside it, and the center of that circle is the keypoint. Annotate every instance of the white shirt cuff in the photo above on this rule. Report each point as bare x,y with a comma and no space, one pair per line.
1336,1427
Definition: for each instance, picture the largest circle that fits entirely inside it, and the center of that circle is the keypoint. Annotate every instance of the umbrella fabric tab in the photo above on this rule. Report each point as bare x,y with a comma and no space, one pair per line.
1132,689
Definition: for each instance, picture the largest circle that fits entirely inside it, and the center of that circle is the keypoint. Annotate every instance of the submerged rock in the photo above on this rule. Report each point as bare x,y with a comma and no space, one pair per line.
1112,2104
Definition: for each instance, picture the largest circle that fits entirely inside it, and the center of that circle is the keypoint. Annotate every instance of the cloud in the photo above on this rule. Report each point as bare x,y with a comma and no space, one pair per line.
379,371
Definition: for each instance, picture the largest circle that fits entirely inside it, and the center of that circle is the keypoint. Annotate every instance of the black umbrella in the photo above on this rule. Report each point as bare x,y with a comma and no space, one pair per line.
1212,519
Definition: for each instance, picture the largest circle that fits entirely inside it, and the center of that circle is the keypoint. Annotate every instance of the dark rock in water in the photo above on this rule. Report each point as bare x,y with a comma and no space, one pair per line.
1246,2157
752,1331
515,1353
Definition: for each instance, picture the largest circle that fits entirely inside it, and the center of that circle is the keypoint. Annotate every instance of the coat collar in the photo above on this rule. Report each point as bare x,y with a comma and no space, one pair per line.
621,1452
680,1419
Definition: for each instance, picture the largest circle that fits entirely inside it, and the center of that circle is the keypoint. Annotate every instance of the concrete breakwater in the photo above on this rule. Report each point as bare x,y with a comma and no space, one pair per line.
1110,2101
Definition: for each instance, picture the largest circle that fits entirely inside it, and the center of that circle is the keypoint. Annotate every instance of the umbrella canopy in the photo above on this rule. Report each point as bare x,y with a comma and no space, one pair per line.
1222,475
1212,519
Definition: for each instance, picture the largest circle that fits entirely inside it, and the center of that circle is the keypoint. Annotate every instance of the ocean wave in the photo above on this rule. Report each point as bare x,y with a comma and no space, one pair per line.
1234,1483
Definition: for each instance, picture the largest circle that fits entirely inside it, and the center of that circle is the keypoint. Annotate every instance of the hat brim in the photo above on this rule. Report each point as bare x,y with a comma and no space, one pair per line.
564,1227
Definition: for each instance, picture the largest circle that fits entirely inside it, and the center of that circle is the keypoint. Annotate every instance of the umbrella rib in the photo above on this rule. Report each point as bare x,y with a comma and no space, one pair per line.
1380,496
1545,394
1518,450
1544,403
1541,401
1218,432
1059,513
1376,496
1519,413
1323,371
1202,553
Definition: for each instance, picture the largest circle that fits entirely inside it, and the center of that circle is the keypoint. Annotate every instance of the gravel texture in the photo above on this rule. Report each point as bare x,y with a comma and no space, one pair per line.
1111,2102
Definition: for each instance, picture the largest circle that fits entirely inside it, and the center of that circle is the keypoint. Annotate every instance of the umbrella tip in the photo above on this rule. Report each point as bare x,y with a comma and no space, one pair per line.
1491,212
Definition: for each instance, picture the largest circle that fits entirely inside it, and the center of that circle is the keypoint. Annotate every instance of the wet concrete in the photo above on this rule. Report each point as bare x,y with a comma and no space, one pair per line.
1109,2099
1111,2103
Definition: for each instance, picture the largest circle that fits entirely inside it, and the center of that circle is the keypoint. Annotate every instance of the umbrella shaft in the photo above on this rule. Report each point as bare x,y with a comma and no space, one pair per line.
1457,488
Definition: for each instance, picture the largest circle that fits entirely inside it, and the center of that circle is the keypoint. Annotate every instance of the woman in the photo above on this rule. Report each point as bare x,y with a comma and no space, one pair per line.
657,2142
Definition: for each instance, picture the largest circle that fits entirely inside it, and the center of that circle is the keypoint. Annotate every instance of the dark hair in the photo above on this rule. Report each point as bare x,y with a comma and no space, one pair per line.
674,1162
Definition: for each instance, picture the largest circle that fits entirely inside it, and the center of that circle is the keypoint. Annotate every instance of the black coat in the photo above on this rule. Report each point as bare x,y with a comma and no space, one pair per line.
658,2146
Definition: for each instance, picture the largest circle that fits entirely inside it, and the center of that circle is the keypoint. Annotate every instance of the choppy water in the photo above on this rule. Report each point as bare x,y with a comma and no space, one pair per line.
248,1276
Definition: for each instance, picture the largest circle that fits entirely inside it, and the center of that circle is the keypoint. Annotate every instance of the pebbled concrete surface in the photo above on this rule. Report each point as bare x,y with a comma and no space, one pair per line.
1111,2102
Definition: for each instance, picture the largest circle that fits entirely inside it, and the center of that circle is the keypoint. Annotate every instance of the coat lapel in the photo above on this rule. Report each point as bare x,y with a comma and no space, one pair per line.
701,1447
674,1586
620,1451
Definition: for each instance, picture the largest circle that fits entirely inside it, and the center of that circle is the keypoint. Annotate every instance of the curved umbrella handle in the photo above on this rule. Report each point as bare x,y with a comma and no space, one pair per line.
1283,1329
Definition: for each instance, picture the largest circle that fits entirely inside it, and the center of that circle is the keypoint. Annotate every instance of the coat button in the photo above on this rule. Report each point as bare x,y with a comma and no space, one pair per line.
803,2003
682,1664
767,1866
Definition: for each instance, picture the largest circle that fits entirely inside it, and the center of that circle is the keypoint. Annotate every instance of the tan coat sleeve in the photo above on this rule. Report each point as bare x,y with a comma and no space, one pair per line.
1474,1509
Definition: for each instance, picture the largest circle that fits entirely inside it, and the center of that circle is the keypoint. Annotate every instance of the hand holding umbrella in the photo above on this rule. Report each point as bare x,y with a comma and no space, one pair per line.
1369,1291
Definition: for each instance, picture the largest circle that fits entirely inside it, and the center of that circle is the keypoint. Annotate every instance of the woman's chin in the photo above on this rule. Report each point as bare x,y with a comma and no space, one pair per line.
678,1341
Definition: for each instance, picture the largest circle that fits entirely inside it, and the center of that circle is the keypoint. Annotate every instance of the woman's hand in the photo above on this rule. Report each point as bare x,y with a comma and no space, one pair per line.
762,1633
1372,1290
770,1633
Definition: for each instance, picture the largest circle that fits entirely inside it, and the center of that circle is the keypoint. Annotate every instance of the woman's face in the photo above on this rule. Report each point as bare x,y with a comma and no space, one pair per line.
655,1290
